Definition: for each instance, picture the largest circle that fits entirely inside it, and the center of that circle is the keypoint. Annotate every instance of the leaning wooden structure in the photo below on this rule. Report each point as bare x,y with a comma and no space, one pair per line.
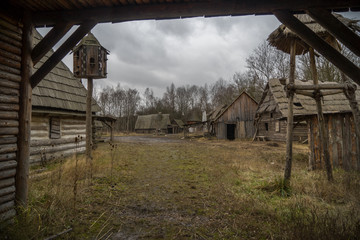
17,56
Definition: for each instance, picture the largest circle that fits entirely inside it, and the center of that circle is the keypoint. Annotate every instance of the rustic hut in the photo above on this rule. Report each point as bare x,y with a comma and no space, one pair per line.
337,114
271,114
236,119
58,113
177,126
153,123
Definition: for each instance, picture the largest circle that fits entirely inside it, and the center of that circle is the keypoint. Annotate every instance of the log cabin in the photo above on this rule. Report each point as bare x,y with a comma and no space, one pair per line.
17,57
270,119
235,121
58,114
339,122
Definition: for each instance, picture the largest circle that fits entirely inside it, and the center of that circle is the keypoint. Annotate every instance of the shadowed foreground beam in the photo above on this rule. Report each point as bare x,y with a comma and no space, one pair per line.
313,40
336,28
57,56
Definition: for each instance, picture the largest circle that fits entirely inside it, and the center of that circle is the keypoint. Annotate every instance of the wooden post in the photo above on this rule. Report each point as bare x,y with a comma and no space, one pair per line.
290,119
323,132
112,131
89,118
23,144
351,96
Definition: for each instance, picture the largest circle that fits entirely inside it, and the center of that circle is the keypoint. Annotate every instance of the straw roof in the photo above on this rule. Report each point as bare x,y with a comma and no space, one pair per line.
59,90
274,99
282,37
179,122
152,121
89,40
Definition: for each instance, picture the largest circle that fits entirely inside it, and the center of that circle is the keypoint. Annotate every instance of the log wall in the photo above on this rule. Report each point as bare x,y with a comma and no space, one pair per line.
342,142
10,78
276,129
44,148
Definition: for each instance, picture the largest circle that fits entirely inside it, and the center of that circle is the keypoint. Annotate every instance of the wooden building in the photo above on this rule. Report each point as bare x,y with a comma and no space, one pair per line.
58,113
237,119
153,123
338,118
17,56
177,126
271,114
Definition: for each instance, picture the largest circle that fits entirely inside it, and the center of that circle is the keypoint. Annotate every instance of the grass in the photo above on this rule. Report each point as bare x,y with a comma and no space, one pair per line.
195,189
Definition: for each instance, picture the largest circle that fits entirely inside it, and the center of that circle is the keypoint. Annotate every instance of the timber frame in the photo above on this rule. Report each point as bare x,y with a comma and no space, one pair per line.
63,14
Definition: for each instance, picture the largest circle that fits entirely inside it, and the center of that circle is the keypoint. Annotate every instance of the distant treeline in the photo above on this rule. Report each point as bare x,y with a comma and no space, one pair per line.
181,102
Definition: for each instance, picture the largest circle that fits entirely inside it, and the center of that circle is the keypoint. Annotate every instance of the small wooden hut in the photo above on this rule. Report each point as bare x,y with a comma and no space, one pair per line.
177,126
58,114
152,123
236,119
271,114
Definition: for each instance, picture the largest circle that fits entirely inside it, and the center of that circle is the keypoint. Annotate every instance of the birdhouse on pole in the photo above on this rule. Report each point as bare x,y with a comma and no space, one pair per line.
90,58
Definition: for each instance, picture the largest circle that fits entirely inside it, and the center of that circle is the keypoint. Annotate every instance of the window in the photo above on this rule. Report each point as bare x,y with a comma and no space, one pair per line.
277,126
297,104
271,115
54,128
266,126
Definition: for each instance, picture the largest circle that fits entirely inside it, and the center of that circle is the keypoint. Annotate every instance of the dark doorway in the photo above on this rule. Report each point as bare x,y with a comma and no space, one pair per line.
170,131
230,131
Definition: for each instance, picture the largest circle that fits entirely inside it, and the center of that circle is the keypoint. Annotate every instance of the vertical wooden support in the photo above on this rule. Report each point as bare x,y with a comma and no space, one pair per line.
351,96
112,131
89,118
290,119
23,154
323,132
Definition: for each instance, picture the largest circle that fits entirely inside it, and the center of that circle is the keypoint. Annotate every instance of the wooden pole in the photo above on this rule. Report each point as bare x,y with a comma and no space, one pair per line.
290,119
112,131
23,144
351,96
324,136
89,118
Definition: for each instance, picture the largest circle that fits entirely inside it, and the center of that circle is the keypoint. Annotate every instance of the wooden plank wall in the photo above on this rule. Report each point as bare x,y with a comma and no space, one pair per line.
44,149
342,142
241,113
10,78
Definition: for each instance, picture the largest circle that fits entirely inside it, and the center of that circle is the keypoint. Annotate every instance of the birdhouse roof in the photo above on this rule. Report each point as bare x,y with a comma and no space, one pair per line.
89,40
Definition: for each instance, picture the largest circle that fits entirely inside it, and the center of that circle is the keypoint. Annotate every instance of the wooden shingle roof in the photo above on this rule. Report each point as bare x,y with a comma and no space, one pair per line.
275,98
59,90
152,121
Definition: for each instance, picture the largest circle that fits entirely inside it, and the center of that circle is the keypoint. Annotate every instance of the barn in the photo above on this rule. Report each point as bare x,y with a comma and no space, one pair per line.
153,123
237,119
58,114
270,119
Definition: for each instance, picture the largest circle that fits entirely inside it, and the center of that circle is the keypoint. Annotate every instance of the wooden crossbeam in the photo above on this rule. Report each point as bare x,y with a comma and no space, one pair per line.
317,87
49,41
350,39
57,56
187,9
313,40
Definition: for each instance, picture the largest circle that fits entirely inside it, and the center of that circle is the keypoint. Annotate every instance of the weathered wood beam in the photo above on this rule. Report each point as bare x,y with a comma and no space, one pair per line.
350,39
49,41
187,9
318,86
57,56
23,144
290,116
313,40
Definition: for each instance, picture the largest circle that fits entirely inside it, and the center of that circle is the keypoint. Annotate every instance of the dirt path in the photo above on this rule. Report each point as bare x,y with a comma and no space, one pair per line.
172,193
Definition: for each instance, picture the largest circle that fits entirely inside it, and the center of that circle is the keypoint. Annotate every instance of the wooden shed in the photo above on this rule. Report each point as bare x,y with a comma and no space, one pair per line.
153,123
271,114
237,119
58,113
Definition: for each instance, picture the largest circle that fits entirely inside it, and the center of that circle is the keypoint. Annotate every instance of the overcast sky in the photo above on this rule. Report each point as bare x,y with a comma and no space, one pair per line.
188,51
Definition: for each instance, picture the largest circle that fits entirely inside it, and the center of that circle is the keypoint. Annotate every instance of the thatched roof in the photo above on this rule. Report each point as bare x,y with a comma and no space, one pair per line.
274,99
59,90
152,121
179,122
88,40
282,37
216,113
